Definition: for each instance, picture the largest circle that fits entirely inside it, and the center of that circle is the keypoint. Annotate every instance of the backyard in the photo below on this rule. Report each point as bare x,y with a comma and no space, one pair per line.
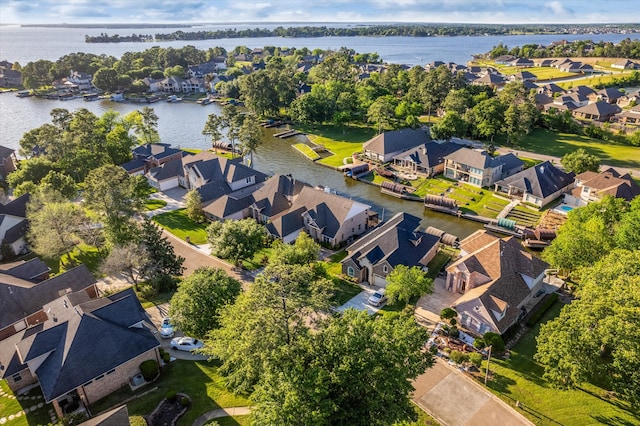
519,378
341,141
23,410
178,223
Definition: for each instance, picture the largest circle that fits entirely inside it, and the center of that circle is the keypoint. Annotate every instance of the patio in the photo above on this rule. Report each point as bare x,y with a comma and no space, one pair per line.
429,306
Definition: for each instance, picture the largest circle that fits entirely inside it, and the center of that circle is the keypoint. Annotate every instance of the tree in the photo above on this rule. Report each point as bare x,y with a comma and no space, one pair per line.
404,282
449,314
329,380
128,259
193,206
449,126
212,129
162,261
488,117
303,251
381,112
145,125
235,240
106,79
200,296
63,184
232,120
494,340
250,137
596,338
579,161
115,197
53,227
37,74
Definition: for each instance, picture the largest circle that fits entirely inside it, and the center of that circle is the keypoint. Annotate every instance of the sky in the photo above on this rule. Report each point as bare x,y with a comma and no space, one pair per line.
347,11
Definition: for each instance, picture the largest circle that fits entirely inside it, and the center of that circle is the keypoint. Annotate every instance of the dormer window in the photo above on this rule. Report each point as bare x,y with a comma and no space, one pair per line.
385,269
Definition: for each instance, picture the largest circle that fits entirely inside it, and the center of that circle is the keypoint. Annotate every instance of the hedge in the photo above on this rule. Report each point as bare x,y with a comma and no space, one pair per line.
542,308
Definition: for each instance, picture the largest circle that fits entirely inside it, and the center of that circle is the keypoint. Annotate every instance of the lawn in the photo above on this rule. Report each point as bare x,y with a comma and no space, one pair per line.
341,142
543,73
306,151
344,290
11,406
257,261
200,380
177,223
591,81
546,142
82,254
520,379
154,204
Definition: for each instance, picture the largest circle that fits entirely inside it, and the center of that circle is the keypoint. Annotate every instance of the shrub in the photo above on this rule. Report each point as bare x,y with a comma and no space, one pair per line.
453,332
541,309
166,357
185,401
475,358
479,343
171,396
433,349
162,352
137,421
494,340
453,321
149,369
458,357
448,313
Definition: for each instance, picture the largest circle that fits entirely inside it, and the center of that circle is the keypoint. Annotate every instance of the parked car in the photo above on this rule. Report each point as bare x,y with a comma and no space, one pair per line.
166,328
186,344
377,298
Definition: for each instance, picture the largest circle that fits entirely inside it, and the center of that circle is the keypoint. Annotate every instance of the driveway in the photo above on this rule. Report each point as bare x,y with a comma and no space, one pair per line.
157,313
359,302
456,400
429,306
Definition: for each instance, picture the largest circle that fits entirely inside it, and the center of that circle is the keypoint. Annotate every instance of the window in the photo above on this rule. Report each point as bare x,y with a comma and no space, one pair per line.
16,377
249,179
351,272
100,377
385,269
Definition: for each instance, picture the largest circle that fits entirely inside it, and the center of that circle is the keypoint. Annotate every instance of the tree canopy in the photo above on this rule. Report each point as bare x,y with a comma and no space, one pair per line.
235,240
404,282
580,161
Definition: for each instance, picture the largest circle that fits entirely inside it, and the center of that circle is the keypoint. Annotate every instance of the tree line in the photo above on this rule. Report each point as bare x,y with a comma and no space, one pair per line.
407,30
626,48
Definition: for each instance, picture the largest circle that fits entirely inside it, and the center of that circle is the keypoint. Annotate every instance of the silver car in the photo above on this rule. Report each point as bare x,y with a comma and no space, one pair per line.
166,328
187,344
378,298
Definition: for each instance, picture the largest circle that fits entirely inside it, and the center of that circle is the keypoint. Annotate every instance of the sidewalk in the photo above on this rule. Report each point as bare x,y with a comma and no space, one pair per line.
221,412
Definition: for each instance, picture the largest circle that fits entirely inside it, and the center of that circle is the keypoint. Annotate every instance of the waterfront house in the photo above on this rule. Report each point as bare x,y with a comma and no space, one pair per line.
539,185
151,155
498,283
82,349
153,84
171,84
81,80
14,224
427,159
193,84
478,168
398,241
592,187
387,145
522,63
597,111
504,59
8,161
10,78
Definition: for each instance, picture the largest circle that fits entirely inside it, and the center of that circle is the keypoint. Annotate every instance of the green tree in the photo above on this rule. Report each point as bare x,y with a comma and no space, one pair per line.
259,93
381,113
53,227
494,340
162,262
404,282
200,296
596,338
212,128
37,74
128,259
235,240
579,161
250,137
488,118
145,125
106,79
232,120
303,251
449,126
193,206
56,181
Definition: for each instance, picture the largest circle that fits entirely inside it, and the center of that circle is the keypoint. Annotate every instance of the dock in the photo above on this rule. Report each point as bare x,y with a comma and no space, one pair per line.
287,134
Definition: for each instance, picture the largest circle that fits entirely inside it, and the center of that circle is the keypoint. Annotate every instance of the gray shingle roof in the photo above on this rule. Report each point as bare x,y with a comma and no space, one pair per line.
430,154
540,180
397,140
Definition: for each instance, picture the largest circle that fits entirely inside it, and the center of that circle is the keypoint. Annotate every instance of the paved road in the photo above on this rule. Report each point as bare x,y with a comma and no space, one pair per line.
456,400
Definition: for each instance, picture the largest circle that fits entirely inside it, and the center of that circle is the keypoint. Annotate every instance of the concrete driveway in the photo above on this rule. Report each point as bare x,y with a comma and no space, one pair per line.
456,400
359,302
429,306
157,313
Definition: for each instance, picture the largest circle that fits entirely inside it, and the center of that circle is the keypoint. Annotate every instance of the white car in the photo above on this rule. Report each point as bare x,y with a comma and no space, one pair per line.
377,298
186,344
166,328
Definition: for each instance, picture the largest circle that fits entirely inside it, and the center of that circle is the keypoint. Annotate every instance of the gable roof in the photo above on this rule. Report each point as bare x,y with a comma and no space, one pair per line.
117,417
20,298
74,354
600,109
396,140
482,160
276,195
155,150
610,182
398,241
430,154
16,207
540,180
210,167
168,170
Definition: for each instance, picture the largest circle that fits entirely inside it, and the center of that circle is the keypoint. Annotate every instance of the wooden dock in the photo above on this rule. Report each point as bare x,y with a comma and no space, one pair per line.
287,134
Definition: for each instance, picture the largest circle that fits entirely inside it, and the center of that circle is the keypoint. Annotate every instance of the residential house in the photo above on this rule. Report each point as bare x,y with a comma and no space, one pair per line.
498,283
10,78
543,62
328,218
592,187
427,159
523,76
14,224
490,79
387,145
8,161
478,168
569,102
597,111
625,64
200,70
193,84
82,349
171,84
627,99
274,197
575,67
609,95
582,90
153,84
151,155
504,59
539,185
522,63
551,90
398,241
81,80
630,116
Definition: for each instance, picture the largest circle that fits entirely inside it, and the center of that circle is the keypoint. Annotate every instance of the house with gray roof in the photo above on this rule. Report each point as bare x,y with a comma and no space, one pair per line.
151,155
539,185
592,187
478,168
327,218
387,145
597,111
498,284
427,159
84,349
8,161
14,224
398,241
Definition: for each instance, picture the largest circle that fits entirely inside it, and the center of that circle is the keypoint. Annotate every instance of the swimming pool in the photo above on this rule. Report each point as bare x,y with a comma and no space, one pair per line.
565,208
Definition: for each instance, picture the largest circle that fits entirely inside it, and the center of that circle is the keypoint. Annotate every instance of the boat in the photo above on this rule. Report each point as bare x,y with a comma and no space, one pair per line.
174,99
205,101
91,97
24,94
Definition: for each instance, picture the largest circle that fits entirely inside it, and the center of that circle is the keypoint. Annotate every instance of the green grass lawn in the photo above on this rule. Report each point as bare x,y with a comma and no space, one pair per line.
256,261
154,204
82,254
520,379
306,151
342,142
344,290
156,299
543,73
591,81
10,406
200,380
529,162
177,223
543,141
437,264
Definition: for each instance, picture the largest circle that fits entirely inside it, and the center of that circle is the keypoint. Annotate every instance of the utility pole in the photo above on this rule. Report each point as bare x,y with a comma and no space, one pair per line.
486,376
